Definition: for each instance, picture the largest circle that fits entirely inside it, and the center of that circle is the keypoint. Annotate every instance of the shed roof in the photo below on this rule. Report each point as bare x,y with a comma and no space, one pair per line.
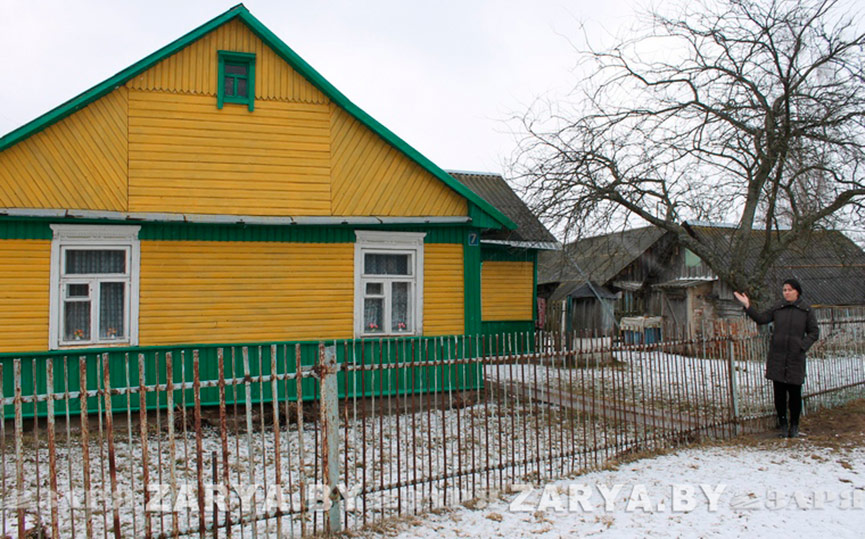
598,258
578,290
828,264
495,189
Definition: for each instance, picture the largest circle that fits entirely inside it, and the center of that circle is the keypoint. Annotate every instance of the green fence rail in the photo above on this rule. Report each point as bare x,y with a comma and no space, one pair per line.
385,365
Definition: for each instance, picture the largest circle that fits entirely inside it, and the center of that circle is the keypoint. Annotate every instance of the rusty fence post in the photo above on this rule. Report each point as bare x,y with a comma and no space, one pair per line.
112,462
327,370
734,389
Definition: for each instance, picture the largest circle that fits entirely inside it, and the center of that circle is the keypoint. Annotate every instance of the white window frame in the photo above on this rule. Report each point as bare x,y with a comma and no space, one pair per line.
96,237
370,241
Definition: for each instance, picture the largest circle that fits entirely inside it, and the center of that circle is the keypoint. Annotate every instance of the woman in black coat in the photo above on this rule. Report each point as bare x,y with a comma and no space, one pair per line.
794,333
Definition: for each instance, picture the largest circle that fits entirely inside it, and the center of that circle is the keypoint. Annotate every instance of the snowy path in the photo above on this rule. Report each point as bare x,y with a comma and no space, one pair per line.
790,489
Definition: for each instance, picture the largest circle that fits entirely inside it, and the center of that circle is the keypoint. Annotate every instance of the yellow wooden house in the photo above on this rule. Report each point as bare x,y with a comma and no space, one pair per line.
220,190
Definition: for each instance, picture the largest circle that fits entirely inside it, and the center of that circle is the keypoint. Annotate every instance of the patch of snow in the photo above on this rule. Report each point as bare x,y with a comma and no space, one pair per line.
791,490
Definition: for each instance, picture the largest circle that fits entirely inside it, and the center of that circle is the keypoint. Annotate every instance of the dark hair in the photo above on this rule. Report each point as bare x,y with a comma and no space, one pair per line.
795,285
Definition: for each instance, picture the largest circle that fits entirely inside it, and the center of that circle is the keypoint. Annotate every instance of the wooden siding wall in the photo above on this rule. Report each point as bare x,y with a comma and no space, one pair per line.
79,162
223,292
160,145
24,278
444,307
506,290
591,315
194,69
273,161
370,177
205,292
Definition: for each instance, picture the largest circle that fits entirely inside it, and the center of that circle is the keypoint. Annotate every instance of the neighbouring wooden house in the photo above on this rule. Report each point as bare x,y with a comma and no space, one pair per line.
221,190
645,272
598,279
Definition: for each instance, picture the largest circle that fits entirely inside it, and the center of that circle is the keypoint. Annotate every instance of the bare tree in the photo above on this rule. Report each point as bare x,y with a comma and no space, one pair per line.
746,111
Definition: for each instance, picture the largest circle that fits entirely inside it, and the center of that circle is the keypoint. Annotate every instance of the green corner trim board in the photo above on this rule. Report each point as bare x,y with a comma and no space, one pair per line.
296,62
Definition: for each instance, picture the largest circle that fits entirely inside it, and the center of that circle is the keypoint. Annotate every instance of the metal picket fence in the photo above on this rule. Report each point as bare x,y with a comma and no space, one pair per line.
276,440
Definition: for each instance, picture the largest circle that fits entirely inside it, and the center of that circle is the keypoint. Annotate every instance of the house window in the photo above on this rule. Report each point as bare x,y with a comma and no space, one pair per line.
691,259
236,82
388,283
94,285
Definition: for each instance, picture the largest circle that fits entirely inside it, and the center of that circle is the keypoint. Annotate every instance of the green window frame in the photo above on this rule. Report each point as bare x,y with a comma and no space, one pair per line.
236,73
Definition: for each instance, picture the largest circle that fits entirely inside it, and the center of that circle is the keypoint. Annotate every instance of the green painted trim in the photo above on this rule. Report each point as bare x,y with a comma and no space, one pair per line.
444,235
74,352
236,232
534,288
472,286
506,326
287,233
482,219
236,58
497,220
25,230
508,337
37,228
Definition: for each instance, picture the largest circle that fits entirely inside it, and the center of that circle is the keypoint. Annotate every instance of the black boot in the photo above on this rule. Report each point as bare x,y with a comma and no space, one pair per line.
794,431
782,425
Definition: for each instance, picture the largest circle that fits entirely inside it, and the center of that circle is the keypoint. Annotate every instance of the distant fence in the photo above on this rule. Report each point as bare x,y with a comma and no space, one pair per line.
364,431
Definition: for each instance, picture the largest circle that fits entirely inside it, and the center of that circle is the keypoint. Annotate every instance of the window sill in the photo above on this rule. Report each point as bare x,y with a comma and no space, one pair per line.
388,335
92,344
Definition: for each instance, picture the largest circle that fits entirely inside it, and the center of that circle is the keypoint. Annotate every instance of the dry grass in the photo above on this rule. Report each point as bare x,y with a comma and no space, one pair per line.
834,428
385,528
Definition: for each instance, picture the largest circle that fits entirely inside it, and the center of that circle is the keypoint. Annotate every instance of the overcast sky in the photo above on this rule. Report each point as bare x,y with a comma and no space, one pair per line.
443,75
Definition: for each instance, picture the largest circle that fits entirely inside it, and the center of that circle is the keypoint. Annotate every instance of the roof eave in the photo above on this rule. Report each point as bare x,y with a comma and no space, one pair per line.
539,245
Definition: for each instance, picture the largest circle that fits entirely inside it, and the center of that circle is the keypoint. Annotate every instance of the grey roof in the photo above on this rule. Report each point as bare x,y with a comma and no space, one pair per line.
584,289
494,189
828,264
598,258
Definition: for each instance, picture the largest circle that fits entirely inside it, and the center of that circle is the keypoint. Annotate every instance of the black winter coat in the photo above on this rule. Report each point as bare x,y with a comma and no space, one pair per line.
795,331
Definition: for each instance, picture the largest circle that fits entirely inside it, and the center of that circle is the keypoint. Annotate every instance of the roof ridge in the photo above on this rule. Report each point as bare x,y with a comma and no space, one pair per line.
615,233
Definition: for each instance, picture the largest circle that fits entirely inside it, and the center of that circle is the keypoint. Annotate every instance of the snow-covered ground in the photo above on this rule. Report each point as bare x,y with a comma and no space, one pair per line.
790,489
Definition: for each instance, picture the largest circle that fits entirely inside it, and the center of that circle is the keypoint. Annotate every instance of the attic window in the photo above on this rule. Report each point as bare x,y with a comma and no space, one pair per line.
236,82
